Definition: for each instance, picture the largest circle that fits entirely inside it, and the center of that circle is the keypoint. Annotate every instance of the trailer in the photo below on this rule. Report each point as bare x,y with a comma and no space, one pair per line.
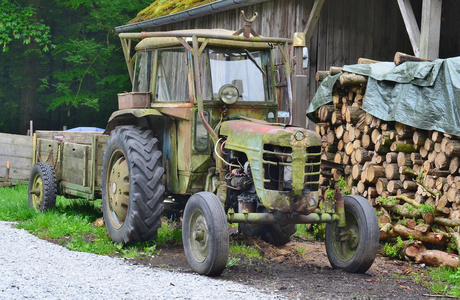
67,163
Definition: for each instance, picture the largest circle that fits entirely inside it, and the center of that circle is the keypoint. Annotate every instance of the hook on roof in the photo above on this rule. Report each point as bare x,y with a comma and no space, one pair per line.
247,30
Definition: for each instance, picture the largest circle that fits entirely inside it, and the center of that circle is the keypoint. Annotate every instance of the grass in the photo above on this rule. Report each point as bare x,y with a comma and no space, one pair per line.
70,224
442,280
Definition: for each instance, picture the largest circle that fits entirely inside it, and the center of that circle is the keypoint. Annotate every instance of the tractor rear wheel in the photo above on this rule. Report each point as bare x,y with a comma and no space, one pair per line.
354,247
205,234
132,191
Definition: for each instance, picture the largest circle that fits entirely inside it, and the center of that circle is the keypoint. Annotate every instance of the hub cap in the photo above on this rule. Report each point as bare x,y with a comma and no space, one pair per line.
118,188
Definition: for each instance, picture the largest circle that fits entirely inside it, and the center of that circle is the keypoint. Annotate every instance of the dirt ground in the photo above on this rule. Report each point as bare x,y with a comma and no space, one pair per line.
294,273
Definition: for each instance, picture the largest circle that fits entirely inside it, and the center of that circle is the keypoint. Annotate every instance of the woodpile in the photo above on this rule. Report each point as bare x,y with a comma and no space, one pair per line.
410,175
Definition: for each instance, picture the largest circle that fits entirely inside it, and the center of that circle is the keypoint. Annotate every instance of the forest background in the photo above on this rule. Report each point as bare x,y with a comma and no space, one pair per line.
61,62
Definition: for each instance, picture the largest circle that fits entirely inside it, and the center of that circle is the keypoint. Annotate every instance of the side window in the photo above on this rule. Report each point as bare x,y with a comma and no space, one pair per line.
171,76
143,71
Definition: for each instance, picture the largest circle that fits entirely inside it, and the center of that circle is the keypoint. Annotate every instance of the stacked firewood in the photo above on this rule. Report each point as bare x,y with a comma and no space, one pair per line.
411,176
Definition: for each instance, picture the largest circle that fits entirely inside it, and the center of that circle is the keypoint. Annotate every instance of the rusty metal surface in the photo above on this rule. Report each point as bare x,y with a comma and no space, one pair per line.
251,139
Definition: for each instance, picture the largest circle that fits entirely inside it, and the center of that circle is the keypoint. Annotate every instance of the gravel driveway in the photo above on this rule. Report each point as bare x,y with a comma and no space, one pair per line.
31,268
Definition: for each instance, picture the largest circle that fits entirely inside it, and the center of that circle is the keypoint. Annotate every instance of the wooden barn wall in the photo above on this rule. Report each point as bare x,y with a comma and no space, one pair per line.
346,31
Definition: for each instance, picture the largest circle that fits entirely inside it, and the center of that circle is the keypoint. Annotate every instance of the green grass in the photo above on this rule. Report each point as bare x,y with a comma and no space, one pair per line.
244,249
443,280
70,224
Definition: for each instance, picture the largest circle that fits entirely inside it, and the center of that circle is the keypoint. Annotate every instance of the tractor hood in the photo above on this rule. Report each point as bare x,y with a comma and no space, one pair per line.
253,134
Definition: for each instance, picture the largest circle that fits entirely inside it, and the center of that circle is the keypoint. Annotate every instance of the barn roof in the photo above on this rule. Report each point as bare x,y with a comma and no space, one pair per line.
162,12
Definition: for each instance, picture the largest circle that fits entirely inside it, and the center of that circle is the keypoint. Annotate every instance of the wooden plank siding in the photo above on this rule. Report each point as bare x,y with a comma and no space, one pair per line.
18,150
346,31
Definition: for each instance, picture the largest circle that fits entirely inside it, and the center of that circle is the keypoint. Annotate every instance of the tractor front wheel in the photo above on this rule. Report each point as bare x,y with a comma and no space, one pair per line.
205,234
354,247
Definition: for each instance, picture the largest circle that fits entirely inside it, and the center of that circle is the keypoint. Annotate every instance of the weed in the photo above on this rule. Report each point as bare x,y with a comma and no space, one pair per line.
244,249
232,261
301,251
394,251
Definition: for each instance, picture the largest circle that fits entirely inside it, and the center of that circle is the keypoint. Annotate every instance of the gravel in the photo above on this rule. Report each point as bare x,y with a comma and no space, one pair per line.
36,269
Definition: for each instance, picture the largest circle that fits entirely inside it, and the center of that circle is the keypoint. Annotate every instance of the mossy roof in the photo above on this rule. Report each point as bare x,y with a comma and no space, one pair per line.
161,8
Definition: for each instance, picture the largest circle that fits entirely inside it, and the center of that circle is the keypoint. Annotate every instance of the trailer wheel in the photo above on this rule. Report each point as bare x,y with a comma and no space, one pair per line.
132,191
354,247
42,187
205,234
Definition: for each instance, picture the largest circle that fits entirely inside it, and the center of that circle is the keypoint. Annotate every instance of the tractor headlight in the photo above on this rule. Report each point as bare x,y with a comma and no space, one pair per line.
229,94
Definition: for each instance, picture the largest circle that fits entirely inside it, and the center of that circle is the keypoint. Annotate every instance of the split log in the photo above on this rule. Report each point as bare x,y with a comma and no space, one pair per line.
414,248
381,185
429,237
387,232
352,79
321,75
438,258
402,58
374,172
452,148
391,171
353,114
422,228
402,146
367,61
325,113
362,155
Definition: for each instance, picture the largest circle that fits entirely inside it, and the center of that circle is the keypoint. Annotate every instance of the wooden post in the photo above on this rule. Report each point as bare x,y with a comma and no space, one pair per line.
430,29
411,25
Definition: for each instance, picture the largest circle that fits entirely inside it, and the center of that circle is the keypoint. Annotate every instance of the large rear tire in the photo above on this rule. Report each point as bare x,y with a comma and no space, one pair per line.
132,191
354,247
205,234
42,187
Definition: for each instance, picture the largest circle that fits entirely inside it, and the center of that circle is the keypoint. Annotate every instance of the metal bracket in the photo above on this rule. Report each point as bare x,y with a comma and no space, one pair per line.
247,30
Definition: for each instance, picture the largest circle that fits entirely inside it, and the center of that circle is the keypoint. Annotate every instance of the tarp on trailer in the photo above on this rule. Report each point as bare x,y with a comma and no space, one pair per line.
424,95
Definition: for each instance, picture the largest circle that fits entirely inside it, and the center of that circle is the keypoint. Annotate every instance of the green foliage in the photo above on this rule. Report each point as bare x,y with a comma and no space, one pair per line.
388,201
319,231
244,249
346,190
232,261
444,280
19,22
77,81
426,208
170,232
394,251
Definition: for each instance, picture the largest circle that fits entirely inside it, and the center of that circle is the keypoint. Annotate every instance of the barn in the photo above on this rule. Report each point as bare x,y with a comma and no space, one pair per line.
338,32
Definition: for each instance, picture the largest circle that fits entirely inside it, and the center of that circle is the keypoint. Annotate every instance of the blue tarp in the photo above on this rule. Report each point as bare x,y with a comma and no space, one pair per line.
87,129
424,95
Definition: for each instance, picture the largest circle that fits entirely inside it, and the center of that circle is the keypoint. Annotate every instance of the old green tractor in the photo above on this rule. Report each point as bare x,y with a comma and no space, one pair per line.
199,137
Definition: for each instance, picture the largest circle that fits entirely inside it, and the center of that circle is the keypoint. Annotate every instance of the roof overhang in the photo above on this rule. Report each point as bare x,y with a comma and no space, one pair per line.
199,11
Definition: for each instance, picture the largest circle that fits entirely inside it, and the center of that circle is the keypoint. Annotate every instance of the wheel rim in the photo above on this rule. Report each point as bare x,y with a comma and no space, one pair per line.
37,192
346,240
117,188
199,236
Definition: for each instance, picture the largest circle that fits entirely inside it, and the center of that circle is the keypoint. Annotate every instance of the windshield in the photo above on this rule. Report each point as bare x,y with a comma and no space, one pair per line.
248,70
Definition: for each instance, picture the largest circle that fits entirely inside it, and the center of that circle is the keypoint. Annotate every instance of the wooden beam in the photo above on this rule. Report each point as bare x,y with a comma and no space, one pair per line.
430,29
313,20
411,25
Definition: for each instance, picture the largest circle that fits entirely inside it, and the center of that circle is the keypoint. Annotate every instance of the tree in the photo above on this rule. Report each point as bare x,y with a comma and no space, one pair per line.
76,83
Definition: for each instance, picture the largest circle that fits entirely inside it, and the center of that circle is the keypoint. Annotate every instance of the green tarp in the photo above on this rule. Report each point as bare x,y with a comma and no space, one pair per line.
424,95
